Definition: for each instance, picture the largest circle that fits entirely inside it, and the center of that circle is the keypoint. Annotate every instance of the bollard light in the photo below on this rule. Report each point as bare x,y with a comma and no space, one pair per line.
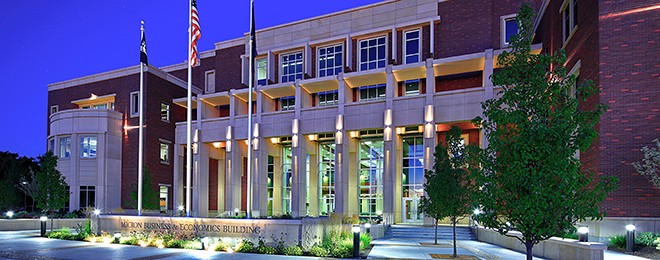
368,227
236,211
43,225
10,214
356,241
117,237
97,212
630,238
204,241
583,234
476,212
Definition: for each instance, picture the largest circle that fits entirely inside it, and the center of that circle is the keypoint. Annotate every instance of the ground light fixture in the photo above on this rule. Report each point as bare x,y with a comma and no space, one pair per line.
630,238
43,225
583,234
368,227
204,240
9,214
356,241
117,237
97,212
476,212
236,211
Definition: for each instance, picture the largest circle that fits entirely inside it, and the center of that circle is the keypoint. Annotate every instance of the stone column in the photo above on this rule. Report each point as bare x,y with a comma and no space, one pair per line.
488,87
389,149
429,116
298,162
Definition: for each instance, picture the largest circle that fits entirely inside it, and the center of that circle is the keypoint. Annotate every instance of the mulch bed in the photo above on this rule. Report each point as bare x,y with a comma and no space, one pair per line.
641,251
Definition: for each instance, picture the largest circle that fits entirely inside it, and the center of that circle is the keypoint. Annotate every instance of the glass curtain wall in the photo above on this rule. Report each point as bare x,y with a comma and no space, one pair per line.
286,178
326,178
271,171
412,178
371,177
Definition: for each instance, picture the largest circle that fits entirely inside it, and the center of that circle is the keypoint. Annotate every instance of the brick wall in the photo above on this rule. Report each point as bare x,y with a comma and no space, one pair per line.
213,184
458,81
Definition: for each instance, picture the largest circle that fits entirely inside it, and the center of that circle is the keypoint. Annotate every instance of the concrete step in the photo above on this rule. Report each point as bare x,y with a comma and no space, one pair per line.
426,232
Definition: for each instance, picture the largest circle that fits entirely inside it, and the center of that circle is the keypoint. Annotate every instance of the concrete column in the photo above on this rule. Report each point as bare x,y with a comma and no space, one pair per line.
488,86
177,189
298,163
341,142
429,141
389,148
201,182
313,182
234,161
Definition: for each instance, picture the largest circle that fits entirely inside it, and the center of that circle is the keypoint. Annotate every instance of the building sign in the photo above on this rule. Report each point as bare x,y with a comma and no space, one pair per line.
192,227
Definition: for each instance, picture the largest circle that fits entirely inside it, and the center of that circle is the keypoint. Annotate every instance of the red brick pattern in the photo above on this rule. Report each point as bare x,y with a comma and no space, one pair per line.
213,184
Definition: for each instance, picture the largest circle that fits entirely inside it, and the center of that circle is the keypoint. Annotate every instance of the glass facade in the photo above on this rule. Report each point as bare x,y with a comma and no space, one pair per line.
412,177
287,161
262,71
328,98
287,103
87,196
292,67
88,147
164,112
65,147
371,161
372,53
330,60
271,171
511,29
326,178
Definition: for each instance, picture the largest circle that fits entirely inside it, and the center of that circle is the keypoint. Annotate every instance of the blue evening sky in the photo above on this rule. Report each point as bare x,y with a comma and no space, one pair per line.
46,41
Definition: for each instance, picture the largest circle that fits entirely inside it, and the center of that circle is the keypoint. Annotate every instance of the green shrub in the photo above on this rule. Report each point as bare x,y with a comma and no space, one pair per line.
318,251
192,244
646,238
246,246
570,235
266,250
365,241
220,246
128,241
343,249
618,241
657,242
176,243
61,233
293,250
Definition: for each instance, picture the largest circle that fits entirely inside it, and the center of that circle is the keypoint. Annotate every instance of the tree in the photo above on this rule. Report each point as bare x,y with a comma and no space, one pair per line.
12,169
28,185
51,192
650,164
150,196
449,186
531,179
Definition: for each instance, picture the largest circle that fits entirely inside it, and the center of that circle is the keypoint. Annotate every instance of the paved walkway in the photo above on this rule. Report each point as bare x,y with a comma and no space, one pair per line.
27,245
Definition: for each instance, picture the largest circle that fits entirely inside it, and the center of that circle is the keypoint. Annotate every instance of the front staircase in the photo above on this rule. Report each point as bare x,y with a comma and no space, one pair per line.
418,232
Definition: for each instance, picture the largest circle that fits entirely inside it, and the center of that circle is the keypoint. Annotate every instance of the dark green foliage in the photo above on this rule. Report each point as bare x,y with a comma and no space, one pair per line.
646,238
150,195
51,187
365,240
531,177
294,250
571,235
65,234
246,246
319,251
618,241
133,241
13,169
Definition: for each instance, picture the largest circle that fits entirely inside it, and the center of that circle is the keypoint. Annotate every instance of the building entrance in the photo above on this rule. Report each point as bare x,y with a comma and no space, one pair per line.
412,178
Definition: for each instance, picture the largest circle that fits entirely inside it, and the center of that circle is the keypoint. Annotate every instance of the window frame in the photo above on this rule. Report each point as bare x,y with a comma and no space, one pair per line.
359,52
376,97
135,104
326,102
167,115
289,106
265,68
405,45
54,109
167,144
569,5
207,86
302,67
88,148
503,20
87,190
318,60
60,152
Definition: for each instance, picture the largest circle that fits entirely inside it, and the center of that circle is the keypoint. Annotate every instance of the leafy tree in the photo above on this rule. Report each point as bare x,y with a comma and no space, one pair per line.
28,185
12,169
51,192
150,196
650,164
531,179
449,186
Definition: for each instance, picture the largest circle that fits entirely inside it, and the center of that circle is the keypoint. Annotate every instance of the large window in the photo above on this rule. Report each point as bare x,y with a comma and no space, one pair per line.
209,83
262,72
135,104
65,147
163,198
164,112
326,178
88,147
411,87
510,29
413,46
569,17
413,167
328,98
271,171
370,177
54,109
287,174
164,152
287,103
87,197
330,60
373,92
372,53
292,67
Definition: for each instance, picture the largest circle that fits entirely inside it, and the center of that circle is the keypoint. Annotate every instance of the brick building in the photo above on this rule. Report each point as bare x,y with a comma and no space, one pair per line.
348,106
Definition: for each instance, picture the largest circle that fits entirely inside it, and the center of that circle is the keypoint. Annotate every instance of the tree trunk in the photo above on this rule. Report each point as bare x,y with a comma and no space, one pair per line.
436,231
529,245
453,222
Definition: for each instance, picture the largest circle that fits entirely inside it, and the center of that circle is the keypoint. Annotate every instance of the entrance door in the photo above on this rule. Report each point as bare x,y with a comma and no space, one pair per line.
410,211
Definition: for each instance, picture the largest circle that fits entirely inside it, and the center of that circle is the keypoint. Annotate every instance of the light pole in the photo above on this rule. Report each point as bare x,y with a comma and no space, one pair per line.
583,234
630,238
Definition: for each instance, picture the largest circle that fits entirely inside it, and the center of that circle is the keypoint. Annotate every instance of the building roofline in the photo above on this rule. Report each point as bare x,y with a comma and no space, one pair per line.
121,73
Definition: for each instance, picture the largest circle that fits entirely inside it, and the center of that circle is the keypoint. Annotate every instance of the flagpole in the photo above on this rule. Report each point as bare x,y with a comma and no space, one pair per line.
189,113
141,131
249,135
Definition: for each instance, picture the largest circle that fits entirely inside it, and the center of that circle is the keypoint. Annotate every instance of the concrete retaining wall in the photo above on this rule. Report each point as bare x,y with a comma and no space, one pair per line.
35,224
601,231
553,248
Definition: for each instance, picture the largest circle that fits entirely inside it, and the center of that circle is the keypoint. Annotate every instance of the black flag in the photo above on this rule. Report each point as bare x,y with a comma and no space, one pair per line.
253,33
143,47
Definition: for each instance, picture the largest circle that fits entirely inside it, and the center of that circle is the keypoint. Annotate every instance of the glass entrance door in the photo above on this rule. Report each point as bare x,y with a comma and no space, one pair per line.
412,177
411,212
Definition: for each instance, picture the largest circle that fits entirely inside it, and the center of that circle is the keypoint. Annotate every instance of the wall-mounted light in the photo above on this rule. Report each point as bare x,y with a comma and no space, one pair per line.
313,137
428,121
228,136
400,130
354,134
275,140
255,135
339,138
339,125
92,97
387,131
294,132
217,145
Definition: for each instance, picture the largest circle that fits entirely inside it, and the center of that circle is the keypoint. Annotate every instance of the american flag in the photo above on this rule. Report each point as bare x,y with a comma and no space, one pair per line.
195,34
